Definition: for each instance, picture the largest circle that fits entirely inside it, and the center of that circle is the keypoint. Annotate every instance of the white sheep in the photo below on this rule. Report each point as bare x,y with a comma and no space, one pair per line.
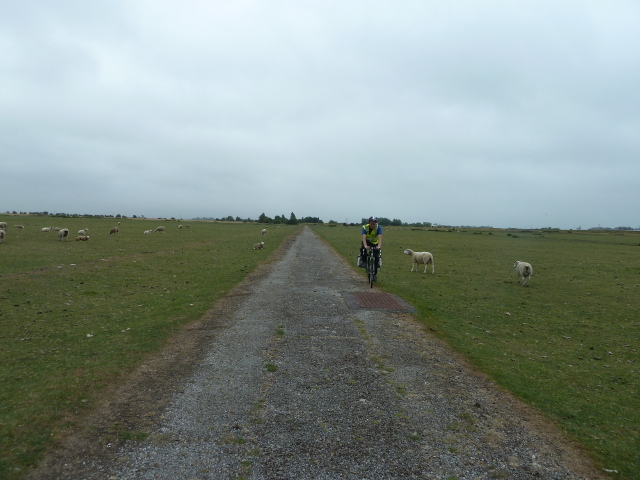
160,229
420,258
524,272
147,232
19,226
82,238
180,227
63,233
113,230
47,229
263,232
1,235
83,231
3,225
258,246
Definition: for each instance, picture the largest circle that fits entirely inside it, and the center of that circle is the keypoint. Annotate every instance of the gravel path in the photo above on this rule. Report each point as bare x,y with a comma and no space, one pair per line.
297,381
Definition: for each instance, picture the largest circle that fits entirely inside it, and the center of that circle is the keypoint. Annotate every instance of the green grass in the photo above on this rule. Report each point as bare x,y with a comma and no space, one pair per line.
568,344
77,317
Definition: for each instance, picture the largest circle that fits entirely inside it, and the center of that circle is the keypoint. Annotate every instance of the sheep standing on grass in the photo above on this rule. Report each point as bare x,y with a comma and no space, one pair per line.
524,272
263,232
420,258
63,233
1,235
160,229
113,230
83,231
3,225
258,246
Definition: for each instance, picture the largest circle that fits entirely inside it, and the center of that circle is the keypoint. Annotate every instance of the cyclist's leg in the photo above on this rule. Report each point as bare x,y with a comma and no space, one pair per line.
363,255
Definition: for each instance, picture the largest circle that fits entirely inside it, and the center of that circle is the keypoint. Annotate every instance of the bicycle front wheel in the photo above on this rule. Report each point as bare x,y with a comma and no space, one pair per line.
371,268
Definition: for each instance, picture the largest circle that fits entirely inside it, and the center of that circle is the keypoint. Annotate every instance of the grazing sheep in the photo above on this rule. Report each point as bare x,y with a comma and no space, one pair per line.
18,226
3,225
421,258
263,232
180,227
258,246
118,223
160,229
113,230
1,235
524,272
63,233
187,226
83,231
82,238
147,232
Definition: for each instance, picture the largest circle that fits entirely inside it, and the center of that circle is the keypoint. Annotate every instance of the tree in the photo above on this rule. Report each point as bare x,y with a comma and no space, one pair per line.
292,219
264,219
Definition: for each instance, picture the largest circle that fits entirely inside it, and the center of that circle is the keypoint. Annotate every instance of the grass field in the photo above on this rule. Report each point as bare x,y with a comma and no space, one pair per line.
77,317
568,344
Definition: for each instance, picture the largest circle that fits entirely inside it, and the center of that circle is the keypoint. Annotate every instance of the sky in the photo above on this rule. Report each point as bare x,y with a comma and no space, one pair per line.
485,113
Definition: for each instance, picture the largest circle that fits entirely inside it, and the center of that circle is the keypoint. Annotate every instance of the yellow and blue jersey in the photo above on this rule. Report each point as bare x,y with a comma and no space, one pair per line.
372,234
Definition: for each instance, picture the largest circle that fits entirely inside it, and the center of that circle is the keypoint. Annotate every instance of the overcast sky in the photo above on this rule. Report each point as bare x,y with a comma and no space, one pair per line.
501,113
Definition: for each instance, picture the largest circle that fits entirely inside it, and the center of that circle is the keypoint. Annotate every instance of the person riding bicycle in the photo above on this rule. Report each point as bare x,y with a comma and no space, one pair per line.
371,240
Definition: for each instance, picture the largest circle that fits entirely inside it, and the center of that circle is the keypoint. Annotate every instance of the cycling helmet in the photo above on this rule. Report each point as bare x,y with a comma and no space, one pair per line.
373,219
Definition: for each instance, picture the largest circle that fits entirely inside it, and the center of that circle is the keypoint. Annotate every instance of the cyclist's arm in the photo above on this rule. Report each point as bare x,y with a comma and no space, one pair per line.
364,241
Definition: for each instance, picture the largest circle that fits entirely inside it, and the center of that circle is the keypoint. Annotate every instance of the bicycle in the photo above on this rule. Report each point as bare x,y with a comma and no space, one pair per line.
371,267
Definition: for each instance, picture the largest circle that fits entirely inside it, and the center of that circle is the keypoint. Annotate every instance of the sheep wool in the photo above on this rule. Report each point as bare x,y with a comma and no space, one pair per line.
420,258
524,271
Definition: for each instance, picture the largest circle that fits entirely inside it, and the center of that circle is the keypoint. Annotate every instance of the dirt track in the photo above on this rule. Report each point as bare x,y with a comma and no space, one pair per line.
290,378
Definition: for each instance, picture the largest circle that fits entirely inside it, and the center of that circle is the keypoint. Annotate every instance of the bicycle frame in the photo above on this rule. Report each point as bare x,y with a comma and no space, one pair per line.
371,266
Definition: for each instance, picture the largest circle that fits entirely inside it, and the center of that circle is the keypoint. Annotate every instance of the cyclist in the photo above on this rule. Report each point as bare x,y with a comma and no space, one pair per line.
371,240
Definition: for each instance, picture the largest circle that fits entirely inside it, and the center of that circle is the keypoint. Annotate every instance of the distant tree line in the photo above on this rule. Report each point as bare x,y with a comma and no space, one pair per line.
72,215
385,222
292,220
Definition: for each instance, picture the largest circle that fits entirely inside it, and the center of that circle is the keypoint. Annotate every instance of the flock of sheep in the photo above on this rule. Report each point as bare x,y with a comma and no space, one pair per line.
63,233
523,269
